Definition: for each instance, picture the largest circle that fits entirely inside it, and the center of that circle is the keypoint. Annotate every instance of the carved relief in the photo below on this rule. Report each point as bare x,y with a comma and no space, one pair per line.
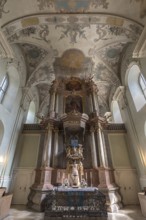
105,31
100,3
132,33
41,33
73,85
74,31
2,5
42,4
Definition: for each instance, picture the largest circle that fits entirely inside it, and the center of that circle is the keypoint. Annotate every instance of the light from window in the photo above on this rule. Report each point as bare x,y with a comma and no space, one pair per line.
3,87
142,83
135,88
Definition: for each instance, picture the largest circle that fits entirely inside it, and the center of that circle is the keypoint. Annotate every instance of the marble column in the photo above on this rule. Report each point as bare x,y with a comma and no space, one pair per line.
56,104
60,103
55,153
95,103
93,149
52,104
99,149
90,101
47,148
102,147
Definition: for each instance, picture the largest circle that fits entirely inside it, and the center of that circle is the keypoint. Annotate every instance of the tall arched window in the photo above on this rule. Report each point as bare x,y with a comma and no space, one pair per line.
136,84
3,87
1,131
31,113
117,117
142,83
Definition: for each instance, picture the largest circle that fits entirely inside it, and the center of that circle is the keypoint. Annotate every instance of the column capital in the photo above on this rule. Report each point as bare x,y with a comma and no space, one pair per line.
50,126
91,87
92,129
56,130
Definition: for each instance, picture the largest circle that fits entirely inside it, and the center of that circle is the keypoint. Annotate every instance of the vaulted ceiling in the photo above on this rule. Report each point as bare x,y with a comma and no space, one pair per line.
88,36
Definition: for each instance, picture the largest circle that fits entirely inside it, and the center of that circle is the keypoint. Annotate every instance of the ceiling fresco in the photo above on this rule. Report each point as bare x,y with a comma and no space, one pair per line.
33,55
62,38
72,5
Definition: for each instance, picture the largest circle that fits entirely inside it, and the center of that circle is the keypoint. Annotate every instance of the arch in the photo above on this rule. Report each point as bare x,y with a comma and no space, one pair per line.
136,92
116,112
13,87
1,132
30,119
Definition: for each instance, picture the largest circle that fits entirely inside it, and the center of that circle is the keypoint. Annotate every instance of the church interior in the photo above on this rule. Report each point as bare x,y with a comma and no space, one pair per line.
73,107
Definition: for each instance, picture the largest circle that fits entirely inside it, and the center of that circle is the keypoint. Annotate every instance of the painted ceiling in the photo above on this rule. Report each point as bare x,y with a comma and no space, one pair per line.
80,36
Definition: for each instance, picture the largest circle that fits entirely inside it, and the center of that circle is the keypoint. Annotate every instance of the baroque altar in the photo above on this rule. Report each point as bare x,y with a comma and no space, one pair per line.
74,153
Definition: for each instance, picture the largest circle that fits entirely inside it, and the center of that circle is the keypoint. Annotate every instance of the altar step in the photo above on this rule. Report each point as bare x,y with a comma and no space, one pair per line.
76,218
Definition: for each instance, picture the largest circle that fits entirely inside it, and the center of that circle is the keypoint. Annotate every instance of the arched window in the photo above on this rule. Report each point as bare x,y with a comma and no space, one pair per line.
136,84
117,117
31,113
142,83
3,87
1,131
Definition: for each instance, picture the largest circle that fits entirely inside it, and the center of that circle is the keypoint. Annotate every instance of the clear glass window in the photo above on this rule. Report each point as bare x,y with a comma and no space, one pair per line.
142,83
3,87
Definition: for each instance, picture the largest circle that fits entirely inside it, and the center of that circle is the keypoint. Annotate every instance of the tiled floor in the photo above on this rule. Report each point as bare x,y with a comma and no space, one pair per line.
22,213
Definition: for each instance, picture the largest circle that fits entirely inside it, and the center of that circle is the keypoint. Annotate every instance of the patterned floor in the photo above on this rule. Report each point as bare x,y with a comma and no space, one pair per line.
22,213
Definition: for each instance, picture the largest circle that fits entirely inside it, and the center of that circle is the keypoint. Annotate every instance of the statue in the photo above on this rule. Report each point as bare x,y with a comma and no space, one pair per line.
74,175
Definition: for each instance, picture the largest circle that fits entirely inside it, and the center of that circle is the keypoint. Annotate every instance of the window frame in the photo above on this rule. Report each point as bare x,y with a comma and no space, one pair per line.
142,84
3,87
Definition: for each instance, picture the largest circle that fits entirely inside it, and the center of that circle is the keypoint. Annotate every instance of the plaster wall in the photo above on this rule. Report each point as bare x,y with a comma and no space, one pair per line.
125,175
11,116
29,144
119,152
138,120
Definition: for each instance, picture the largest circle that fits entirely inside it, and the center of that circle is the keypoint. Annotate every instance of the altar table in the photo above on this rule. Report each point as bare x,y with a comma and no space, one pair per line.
70,203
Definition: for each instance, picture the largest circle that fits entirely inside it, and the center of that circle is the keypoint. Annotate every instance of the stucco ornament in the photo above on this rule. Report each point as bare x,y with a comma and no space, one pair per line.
2,5
72,5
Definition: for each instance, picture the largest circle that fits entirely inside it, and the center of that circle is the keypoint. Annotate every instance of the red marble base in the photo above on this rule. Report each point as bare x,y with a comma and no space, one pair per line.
106,178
